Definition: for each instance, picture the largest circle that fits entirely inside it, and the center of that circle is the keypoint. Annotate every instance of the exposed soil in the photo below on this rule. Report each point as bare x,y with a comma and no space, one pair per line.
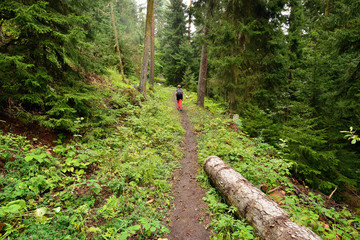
43,136
189,218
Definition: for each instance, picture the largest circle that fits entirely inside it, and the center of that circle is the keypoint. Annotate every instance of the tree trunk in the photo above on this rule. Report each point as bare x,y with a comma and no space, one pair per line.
117,42
327,8
152,56
149,13
202,72
189,32
267,217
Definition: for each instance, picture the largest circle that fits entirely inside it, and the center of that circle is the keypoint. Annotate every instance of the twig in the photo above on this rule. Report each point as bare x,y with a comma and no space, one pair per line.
274,189
332,193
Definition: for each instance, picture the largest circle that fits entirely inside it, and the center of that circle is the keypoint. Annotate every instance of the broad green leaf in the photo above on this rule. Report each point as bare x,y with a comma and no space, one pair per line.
29,158
94,229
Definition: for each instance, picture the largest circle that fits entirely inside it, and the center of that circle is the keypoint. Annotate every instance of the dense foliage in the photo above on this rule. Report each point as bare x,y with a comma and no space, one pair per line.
266,167
49,51
291,70
115,186
177,56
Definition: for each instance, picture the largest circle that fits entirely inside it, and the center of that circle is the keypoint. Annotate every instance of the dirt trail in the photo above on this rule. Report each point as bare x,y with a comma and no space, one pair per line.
189,219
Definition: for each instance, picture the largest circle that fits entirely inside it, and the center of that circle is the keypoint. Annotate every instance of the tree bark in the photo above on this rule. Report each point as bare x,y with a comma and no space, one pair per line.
117,42
327,8
189,32
152,56
149,13
202,72
267,217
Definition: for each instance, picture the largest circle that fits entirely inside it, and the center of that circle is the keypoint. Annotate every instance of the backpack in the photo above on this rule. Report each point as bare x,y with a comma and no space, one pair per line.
179,93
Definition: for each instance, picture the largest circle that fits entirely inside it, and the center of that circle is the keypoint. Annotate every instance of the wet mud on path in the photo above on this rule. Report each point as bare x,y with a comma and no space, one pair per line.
189,218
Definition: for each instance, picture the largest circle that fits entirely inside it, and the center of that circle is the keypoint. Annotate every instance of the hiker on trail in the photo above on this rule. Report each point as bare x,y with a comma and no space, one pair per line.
179,97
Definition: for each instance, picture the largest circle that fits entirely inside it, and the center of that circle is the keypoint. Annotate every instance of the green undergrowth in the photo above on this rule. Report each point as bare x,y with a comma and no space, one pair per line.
265,167
108,183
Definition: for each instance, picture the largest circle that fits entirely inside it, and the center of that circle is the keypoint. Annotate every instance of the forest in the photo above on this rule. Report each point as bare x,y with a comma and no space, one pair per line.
90,137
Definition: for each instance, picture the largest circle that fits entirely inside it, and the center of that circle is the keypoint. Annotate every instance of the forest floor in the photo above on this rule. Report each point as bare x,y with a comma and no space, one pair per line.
36,134
125,183
189,218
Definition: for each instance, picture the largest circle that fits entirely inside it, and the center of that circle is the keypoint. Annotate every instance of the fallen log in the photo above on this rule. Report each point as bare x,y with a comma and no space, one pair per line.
266,216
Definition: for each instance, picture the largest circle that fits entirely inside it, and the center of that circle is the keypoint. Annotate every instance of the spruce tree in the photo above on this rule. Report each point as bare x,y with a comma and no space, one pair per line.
176,55
47,50
147,41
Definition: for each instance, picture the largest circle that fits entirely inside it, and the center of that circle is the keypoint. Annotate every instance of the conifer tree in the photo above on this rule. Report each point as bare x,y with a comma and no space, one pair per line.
47,50
152,51
116,41
244,43
144,68
176,55
43,43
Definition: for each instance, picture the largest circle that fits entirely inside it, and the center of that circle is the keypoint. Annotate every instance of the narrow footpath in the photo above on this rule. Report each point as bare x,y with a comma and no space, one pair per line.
189,218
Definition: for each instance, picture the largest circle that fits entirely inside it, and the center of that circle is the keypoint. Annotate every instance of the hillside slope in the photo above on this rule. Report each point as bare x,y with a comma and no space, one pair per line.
114,181
266,167
109,182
